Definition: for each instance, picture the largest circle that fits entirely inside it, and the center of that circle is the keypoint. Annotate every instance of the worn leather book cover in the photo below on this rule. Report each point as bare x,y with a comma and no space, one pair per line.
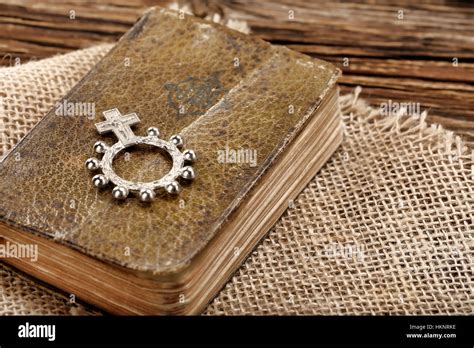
240,103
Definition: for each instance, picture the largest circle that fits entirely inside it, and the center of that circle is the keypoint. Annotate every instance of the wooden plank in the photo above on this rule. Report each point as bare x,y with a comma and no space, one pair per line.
427,57
401,50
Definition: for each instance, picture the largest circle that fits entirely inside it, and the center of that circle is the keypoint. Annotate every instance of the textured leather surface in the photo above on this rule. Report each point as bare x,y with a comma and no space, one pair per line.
163,62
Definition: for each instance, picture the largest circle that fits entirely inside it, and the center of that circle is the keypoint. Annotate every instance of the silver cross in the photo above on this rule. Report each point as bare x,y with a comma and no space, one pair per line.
118,124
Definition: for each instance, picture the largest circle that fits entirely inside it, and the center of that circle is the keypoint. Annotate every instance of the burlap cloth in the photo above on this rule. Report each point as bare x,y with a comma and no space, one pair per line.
385,227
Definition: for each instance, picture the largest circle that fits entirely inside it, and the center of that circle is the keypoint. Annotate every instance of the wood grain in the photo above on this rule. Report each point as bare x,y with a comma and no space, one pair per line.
421,52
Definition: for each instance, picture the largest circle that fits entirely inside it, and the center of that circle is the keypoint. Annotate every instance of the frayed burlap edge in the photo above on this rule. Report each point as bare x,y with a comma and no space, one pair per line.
386,227
23,296
293,271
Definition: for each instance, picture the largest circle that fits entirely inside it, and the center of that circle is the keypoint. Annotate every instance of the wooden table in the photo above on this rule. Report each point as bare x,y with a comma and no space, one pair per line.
405,51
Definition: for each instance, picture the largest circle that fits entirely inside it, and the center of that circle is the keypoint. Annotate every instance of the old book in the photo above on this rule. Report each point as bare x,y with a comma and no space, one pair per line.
262,120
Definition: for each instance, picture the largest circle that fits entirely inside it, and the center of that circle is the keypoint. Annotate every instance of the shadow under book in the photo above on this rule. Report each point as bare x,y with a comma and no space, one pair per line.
171,256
